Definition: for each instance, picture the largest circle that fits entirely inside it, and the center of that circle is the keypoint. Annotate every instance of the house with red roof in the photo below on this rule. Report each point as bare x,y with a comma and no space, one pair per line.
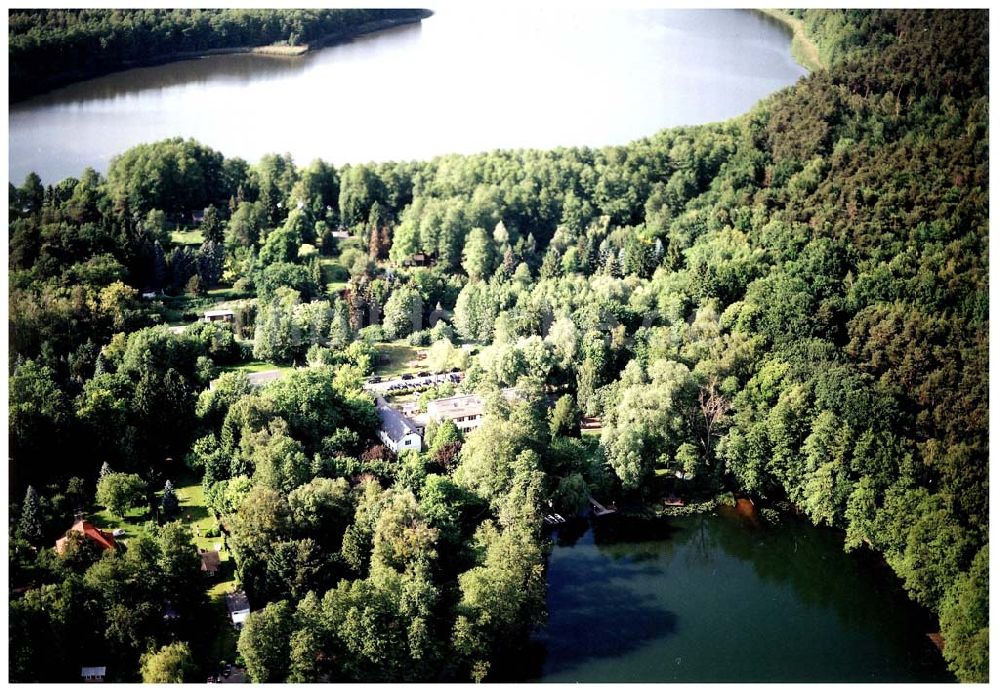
102,539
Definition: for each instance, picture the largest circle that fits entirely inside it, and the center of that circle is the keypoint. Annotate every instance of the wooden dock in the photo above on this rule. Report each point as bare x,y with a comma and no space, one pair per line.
598,508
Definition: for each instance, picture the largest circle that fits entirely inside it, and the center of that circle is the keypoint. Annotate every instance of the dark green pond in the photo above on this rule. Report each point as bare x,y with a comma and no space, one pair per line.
720,598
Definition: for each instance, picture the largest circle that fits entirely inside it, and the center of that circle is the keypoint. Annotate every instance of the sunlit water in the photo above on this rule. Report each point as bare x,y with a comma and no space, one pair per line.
464,80
715,598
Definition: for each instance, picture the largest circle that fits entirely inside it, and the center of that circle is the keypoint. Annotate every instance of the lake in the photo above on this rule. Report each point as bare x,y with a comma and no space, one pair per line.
717,597
464,80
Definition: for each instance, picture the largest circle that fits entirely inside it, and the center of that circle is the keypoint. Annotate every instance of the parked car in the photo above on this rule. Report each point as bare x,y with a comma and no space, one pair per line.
406,376
118,533
375,379
423,374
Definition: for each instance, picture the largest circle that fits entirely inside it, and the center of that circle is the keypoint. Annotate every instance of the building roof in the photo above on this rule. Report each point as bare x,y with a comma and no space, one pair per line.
103,539
461,405
395,425
210,561
455,407
237,601
263,377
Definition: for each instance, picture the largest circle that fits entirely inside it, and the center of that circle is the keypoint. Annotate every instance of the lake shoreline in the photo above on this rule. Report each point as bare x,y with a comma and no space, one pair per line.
65,79
804,49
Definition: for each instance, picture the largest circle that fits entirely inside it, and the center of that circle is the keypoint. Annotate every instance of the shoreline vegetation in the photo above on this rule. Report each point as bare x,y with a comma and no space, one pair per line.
804,49
283,49
29,76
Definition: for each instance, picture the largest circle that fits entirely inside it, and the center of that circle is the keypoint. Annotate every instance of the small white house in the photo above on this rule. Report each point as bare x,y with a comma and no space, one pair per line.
240,617
219,315
238,607
396,431
93,674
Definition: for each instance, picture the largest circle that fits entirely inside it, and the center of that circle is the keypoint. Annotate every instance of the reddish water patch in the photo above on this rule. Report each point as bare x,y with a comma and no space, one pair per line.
744,510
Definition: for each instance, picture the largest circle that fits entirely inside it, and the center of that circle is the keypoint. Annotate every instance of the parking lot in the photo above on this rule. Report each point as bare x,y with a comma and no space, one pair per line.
407,383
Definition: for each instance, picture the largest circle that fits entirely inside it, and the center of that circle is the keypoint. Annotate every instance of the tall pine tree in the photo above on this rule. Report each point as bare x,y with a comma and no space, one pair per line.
30,525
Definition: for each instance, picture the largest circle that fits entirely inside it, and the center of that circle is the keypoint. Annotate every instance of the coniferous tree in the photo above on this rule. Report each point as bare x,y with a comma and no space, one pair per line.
159,267
340,326
30,524
211,225
169,502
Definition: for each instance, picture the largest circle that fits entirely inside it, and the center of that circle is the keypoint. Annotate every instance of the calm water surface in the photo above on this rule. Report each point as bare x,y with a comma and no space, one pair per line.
464,80
714,598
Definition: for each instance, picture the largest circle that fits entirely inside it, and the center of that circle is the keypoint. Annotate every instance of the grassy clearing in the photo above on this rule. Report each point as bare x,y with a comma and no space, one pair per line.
134,522
186,308
335,275
223,294
188,237
223,644
280,49
257,367
195,513
396,358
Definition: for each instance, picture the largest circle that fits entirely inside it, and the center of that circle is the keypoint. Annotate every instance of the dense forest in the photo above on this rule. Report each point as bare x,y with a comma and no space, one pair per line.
791,305
49,48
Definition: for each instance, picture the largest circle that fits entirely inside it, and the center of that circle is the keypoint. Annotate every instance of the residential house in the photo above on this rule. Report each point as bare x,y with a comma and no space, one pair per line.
209,562
466,411
103,540
396,430
418,260
222,315
239,608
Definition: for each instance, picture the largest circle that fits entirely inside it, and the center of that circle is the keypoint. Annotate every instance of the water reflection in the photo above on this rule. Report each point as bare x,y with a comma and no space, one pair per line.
595,615
239,69
718,598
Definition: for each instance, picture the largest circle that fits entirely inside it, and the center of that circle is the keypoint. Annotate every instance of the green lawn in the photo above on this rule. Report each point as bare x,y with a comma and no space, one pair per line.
396,358
199,518
223,645
133,524
186,308
189,237
221,294
334,274
193,512
257,367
